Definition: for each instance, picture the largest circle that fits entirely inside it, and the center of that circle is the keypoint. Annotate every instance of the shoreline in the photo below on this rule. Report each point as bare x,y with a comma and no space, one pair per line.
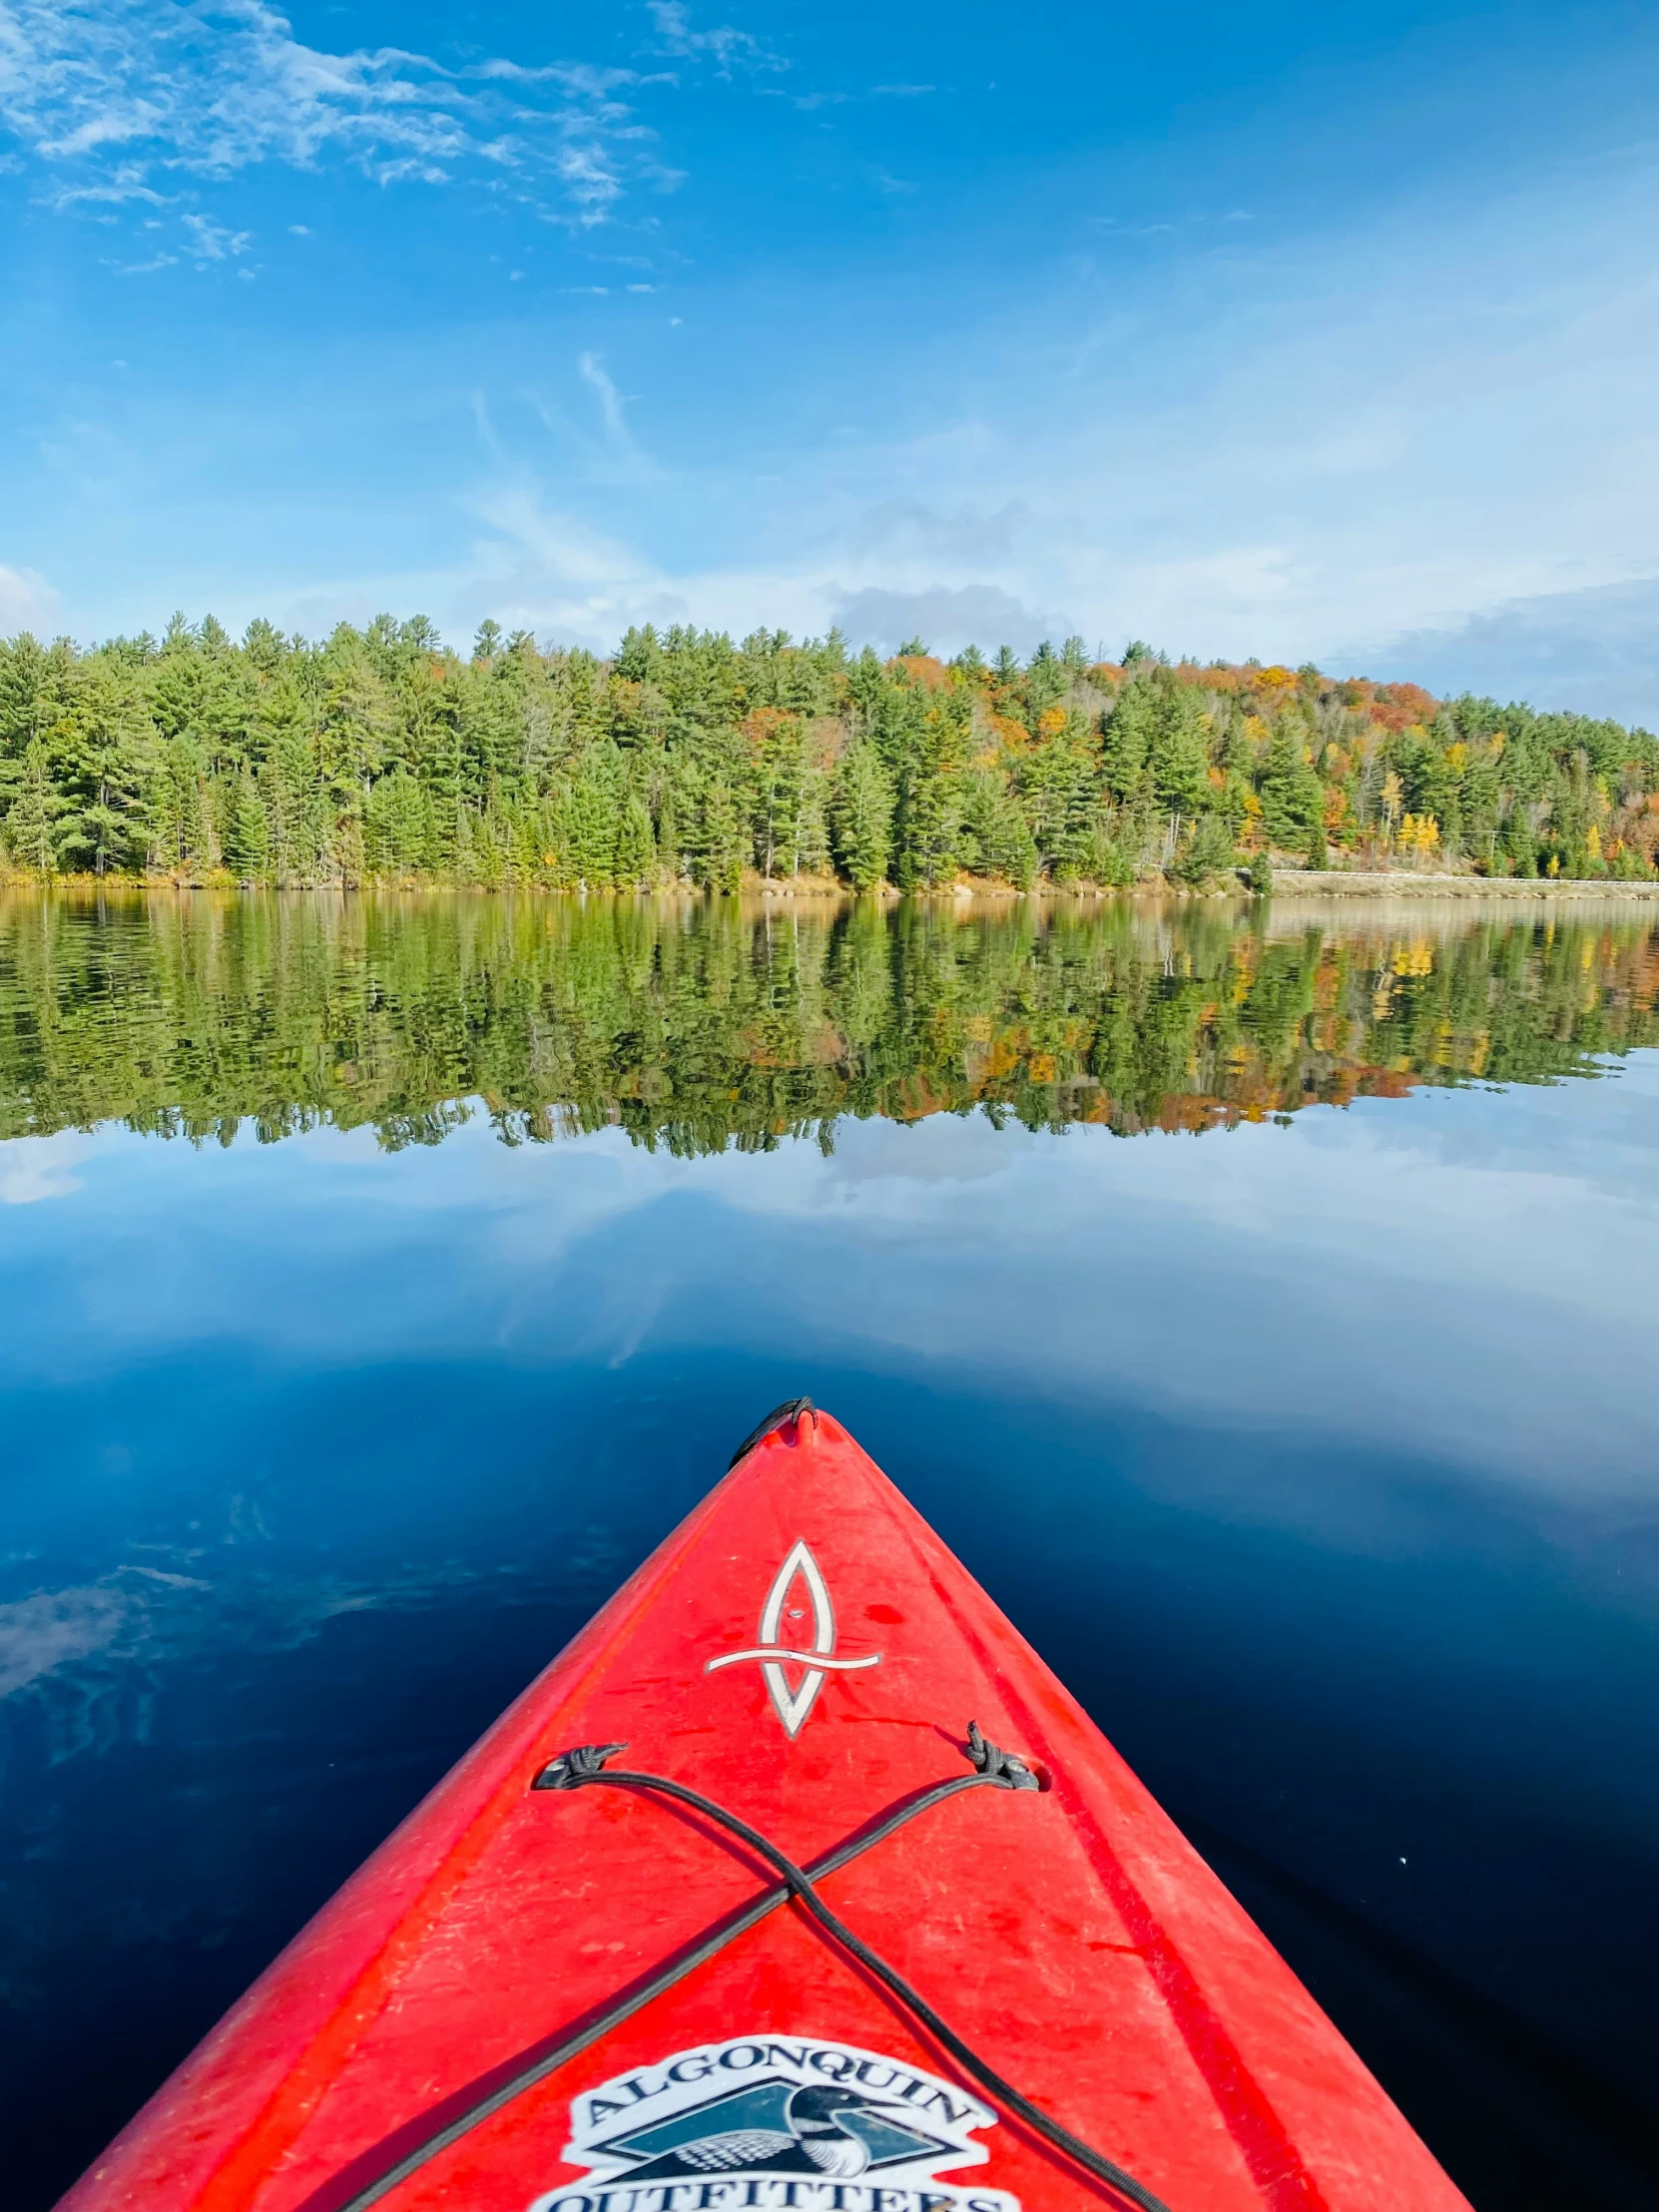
1311,883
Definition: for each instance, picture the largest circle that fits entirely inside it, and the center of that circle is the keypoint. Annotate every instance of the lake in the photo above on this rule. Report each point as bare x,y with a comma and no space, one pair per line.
1260,1301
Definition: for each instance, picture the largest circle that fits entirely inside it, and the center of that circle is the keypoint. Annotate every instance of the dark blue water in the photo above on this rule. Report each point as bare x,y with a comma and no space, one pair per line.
1318,1455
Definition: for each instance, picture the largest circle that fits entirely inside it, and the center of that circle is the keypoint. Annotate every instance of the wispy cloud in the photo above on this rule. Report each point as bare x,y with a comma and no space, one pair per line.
727,48
123,100
610,399
619,438
214,241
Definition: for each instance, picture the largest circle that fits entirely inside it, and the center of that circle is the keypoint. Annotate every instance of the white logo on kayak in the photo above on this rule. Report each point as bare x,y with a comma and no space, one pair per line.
776,1655
769,2121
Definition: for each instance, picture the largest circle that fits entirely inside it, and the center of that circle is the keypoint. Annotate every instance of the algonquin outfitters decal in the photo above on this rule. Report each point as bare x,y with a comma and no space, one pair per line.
769,2122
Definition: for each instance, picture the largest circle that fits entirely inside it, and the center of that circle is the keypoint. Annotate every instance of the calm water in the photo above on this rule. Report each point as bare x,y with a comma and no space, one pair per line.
1264,1307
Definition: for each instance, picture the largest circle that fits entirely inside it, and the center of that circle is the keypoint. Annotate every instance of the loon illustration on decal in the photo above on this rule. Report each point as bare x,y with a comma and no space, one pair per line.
773,2120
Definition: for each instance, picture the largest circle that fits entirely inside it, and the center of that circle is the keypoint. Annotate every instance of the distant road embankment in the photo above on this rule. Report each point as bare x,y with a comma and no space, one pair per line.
1405,883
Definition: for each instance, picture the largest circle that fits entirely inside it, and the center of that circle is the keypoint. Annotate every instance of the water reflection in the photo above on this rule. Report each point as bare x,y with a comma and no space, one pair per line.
700,1025
1318,1456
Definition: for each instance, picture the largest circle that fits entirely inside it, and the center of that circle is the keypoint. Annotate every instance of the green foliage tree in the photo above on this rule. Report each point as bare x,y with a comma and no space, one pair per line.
688,757
247,840
1178,752
26,703
1130,730
926,819
31,822
636,846
1291,796
1207,854
860,816
102,758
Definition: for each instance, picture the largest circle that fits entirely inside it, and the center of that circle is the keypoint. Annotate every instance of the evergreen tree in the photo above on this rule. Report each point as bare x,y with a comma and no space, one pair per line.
860,816
180,816
780,777
31,822
246,833
101,754
636,847
1130,729
996,837
926,817
1178,751
395,825
1208,851
719,861
26,705
592,809
1292,796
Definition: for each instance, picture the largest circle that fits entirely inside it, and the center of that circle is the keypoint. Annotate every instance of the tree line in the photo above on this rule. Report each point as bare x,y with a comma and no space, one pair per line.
715,1024
686,759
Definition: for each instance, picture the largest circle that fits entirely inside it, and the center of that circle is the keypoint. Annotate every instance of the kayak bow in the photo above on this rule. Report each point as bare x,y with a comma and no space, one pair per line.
741,1905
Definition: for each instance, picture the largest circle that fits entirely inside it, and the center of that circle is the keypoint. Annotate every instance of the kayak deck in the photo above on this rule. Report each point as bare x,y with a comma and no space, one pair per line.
805,1653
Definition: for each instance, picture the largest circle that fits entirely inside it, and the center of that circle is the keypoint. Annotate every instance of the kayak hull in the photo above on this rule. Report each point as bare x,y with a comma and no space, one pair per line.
805,1652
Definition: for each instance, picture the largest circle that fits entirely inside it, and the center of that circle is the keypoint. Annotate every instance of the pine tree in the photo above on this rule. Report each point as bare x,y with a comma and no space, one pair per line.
396,826
26,703
246,833
1128,740
636,847
927,818
722,840
179,835
1178,756
1293,799
31,822
592,811
100,751
1208,853
779,773
860,816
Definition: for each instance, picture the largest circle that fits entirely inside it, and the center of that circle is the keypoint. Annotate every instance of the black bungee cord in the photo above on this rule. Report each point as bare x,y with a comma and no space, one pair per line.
583,1766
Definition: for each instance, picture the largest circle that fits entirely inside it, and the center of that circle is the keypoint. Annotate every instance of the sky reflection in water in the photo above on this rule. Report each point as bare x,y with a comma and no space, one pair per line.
1319,1458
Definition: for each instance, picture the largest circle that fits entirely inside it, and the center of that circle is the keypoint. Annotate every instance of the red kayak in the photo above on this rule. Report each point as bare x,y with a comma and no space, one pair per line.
733,1908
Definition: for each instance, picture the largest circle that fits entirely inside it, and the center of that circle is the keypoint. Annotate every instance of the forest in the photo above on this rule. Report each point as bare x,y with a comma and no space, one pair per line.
704,1023
686,760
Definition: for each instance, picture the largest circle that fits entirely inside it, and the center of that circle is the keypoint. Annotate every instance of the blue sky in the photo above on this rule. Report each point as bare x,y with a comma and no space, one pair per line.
1304,332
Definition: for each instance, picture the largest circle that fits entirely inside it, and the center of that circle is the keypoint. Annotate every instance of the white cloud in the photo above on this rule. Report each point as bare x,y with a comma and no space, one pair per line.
109,99
945,620
27,601
34,1180
1247,454
1355,446
1596,651
33,1169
